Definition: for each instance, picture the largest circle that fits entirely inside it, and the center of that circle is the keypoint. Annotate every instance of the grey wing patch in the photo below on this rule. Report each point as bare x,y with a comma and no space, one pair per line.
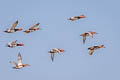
19,59
34,26
52,57
14,25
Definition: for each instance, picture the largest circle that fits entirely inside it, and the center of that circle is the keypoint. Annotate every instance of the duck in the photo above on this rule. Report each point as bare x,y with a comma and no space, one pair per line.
76,17
55,51
14,44
93,48
12,29
86,34
19,65
33,28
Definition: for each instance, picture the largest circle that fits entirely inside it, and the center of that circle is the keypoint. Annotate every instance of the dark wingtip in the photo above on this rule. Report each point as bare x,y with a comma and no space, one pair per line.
4,31
38,23
68,19
10,61
19,54
83,42
52,60
16,21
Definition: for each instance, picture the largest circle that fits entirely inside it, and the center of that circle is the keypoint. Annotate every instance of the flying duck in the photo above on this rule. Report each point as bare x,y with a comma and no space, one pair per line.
19,65
12,29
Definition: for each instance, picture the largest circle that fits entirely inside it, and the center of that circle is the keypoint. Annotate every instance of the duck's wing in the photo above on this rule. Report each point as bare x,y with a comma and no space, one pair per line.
91,51
19,59
84,38
13,63
76,17
13,42
52,57
59,53
90,34
35,25
14,25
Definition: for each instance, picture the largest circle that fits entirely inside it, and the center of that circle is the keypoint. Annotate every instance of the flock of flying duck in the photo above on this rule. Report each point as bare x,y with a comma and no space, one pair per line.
54,51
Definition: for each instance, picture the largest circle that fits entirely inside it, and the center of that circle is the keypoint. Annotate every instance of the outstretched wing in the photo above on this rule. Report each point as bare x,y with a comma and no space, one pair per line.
19,59
34,26
52,57
91,52
84,38
13,63
14,25
90,34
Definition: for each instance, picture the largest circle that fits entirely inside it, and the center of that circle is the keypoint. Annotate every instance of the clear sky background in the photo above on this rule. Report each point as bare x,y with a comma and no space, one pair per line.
103,16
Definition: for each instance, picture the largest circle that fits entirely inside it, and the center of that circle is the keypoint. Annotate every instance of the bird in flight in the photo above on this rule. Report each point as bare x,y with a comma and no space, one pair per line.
76,17
93,48
33,28
90,33
19,65
55,51
13,28
14,44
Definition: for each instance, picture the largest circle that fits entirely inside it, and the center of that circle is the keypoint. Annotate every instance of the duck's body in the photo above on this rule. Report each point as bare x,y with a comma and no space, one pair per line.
87,34
93,48
12,29
14,44
19,65
76,17
33,28
55,51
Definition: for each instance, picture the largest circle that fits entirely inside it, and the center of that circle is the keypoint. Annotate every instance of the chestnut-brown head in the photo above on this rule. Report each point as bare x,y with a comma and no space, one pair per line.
25,65
19,29
82,16
62,50
21,44
102,46
94,32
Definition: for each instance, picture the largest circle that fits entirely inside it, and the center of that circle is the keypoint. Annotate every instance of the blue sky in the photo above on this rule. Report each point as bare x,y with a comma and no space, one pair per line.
102,17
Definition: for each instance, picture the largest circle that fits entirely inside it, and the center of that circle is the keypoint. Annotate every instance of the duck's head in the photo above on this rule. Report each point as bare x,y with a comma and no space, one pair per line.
25,65
82,16
19,29
94,32
102,46
21,44
62,50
